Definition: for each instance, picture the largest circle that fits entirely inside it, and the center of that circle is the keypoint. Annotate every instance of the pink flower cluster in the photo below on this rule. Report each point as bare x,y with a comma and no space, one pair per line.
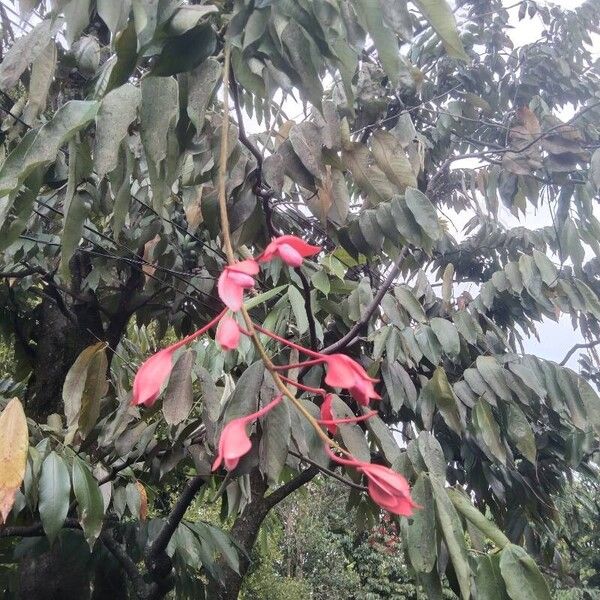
386,487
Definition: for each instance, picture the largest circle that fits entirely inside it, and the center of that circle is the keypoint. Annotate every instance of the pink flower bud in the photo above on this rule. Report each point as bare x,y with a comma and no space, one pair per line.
343,372
234,280
228,333
152,376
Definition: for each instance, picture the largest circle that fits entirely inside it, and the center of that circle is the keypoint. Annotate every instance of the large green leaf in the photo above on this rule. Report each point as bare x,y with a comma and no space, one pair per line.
446,400
440,16
40,150
488,430
521,575
178,396
54,491
520,432
424,212
90,505
25,50
454,537
488,581
421,542
118,110
386,42
391,159
447,334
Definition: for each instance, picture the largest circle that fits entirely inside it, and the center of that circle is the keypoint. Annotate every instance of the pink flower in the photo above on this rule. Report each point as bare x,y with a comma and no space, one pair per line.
343,372
290,249
151,377
327,415
228,333
155,371
234,441
388,489
234,280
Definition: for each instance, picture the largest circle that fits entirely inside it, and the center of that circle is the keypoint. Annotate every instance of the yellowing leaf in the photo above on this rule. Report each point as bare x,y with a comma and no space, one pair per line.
14,443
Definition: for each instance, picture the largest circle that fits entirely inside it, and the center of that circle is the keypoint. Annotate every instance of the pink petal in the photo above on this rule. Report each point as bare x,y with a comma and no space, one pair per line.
228,333
241,279
231,293
298,244
249,266
340,371
151,377
327,415
363,391
291,257
233,444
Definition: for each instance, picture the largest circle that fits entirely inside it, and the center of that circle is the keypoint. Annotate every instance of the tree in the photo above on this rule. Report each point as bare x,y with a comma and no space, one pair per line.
129,185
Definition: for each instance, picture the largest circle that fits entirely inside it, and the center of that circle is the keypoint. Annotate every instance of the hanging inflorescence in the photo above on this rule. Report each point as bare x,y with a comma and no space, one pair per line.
388,489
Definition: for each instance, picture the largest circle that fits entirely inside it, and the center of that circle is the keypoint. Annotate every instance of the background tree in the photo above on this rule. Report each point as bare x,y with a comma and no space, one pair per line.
111,240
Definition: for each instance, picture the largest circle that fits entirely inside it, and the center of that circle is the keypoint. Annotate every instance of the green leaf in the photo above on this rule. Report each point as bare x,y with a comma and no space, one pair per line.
447,335
54,492
384,439
446,400
486,426
76,213
488,580
114,14
429,345
25,50
178,397
546,268
118,110
410,303
386,42
264,297
392,377
440,16
424,212
126,49
298,308
371,180
433,455
77,17
42,75
521,575
454,537
391,159
421,542
520,432
41,149
467,325
185,52
85,384
244,399
275,440
307,142
352,434
202,83
90,505
493,374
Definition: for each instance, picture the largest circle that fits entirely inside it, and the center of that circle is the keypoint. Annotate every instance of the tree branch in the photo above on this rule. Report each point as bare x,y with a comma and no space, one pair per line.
312,328
142,590
329,472
291,486
156,559
574,349
34,530
358,326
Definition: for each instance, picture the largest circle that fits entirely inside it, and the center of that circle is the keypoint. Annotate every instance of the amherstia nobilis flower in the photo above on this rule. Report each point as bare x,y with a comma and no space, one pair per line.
234,280
290,249
343,372
234,441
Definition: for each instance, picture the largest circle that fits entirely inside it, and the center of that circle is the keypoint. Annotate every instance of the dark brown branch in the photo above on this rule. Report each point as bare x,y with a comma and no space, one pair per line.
312,328
291,486
142,590
33,530
22,273
156,559
574,349
364,319
329,472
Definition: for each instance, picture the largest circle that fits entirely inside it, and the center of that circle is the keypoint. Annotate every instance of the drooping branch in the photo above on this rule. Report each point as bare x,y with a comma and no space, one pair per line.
574,349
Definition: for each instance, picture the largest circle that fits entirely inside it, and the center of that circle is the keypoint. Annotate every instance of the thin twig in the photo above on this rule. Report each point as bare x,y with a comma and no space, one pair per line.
574,349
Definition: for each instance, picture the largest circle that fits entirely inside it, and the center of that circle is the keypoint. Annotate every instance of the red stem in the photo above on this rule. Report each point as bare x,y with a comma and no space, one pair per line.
288,342
307,363
301,386
348,419
198,333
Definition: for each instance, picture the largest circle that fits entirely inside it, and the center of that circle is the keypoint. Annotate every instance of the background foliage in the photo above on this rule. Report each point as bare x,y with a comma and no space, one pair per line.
457,209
